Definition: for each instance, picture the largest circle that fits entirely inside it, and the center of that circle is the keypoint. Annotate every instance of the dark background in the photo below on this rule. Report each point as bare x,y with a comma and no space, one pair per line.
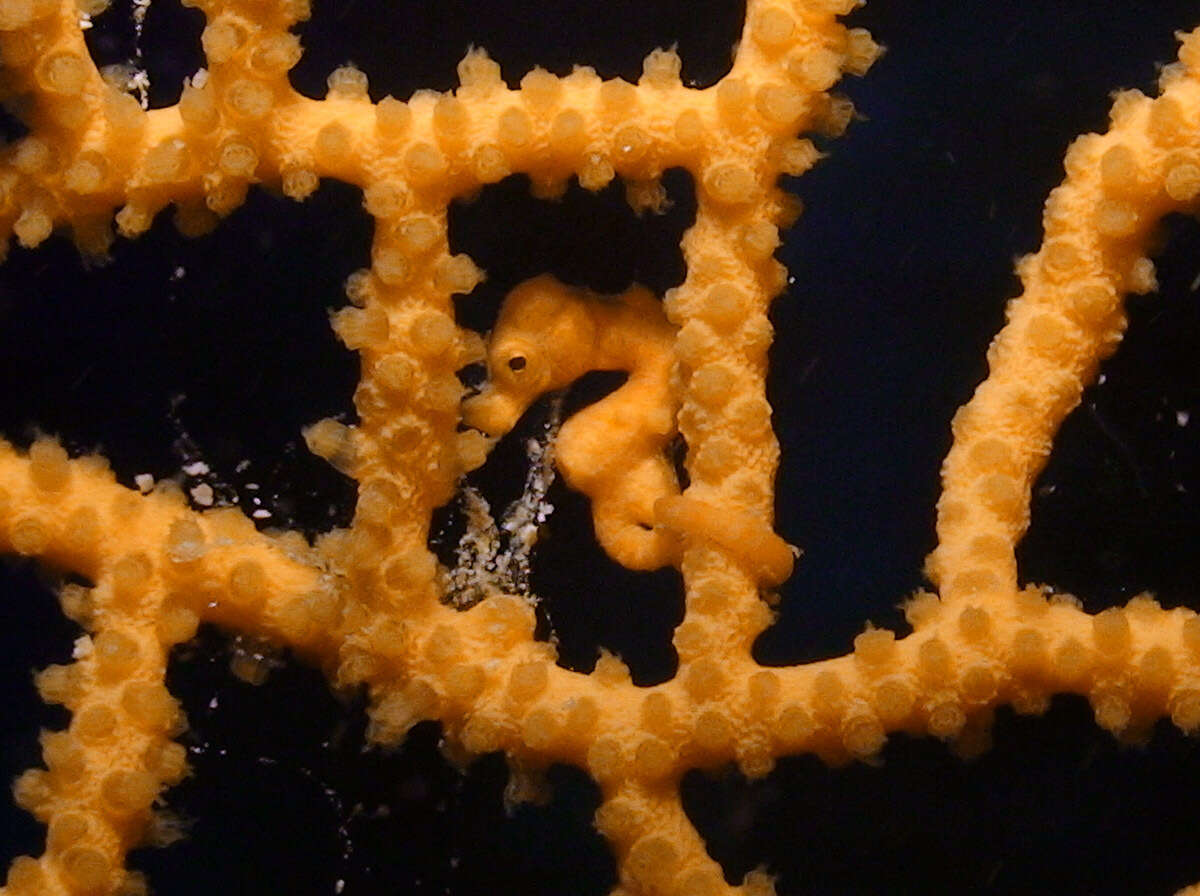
219,349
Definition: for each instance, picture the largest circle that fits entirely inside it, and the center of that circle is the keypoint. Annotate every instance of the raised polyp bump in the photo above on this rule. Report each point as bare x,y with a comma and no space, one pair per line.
540,88
465,680
795,157
450,120
176,624
1185,709
893,700
716,458
396,373
596,171
991,455
346,82
1073,662
773,28
875,647
149,704
48,465
477,70
198,107
653,758
1168,122
862,735
94,723
689,128
1182,181
653,861
1156,671
332,441
1110,631
126,791
606,758
713,730
733,97
724,306
630,146
299,183
86,870
656,713
794,726
444,646
64,73
1115,218
1001,493
58,684
1111,710
978,683
424,161
617,95
694,342
1119,170
250,99
1061,259
527,680
974,622
385,199
131,577
541,728
33,226
247,585
333,144
391,266
704,679
514,129
934,660
759,239
65,830
731,183
1029,653
274,54
490,164
86,174
221,39
116,654
568,131
392,117
946,718
781,104
457,274
661,68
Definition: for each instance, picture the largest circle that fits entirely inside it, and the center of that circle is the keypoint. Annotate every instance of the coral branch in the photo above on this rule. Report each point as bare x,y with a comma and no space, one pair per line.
371,605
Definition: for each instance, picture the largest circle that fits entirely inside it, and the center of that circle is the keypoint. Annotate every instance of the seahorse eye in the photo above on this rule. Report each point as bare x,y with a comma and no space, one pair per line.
516,363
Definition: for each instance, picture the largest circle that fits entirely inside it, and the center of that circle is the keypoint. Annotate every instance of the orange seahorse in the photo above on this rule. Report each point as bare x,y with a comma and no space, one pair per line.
547,336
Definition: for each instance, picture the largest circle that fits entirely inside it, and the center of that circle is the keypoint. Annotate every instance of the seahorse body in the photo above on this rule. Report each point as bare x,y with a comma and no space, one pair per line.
547,336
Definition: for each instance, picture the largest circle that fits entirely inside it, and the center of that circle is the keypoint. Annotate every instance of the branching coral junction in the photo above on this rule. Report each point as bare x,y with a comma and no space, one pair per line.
364,603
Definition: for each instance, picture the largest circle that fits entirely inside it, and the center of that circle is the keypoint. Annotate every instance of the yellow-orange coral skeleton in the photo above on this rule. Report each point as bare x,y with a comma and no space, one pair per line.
366,603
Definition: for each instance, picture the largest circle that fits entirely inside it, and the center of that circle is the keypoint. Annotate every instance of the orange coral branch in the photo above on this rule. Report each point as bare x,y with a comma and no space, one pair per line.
368,603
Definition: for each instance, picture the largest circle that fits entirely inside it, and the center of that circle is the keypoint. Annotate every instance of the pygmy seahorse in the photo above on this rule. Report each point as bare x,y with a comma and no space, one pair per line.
547,336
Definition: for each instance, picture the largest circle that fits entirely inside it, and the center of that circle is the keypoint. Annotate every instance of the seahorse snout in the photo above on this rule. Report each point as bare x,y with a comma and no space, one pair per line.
492,412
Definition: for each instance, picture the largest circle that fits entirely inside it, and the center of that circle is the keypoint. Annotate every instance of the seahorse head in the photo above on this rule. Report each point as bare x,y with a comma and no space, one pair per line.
543,340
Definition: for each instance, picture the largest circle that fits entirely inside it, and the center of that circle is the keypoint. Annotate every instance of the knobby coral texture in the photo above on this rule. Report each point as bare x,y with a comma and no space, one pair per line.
680,501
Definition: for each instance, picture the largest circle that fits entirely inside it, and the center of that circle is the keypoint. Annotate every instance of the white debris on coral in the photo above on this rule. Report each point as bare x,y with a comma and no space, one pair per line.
140,82
493,558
